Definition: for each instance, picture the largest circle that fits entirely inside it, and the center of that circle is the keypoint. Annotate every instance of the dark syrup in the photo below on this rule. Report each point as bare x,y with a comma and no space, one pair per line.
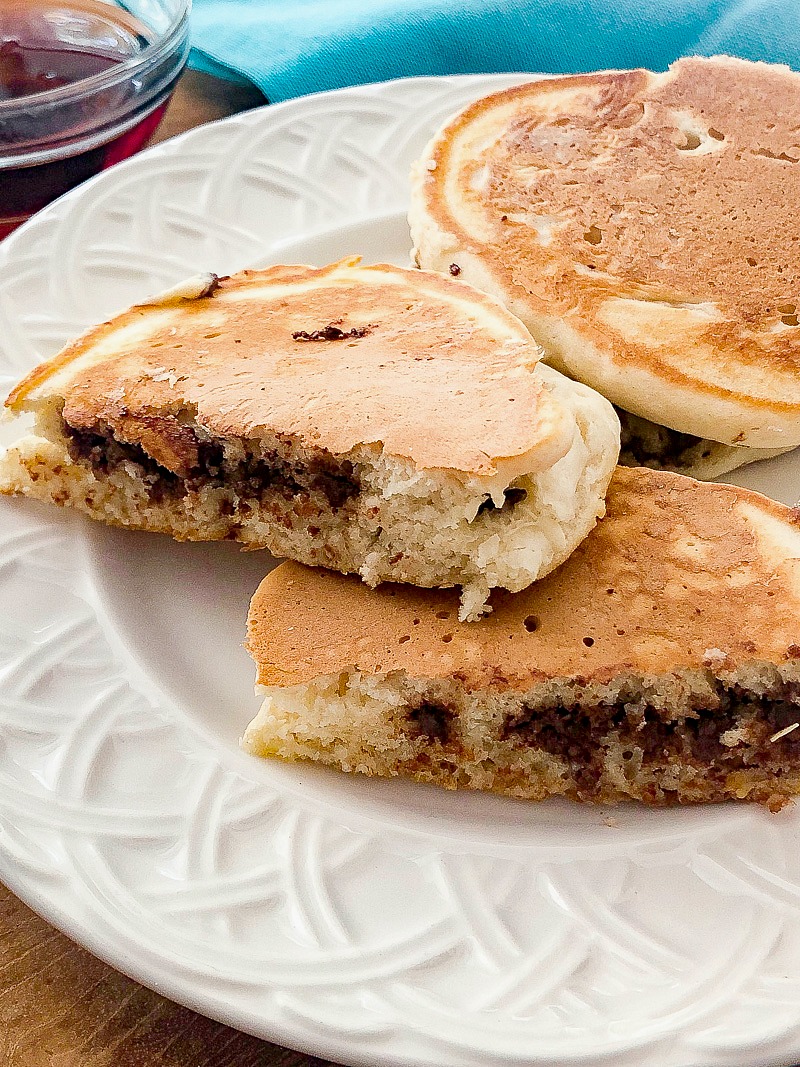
45,44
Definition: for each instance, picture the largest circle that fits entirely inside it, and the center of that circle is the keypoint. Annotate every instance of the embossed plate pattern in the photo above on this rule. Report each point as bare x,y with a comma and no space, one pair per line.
373,923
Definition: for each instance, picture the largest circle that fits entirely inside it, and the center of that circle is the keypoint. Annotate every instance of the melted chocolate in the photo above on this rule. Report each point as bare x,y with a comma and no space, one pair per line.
250,478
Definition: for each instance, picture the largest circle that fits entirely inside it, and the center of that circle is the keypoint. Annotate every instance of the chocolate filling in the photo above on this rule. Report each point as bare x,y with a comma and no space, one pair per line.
580,735
513,495
105,454
333,332
431,721
644,444
259,472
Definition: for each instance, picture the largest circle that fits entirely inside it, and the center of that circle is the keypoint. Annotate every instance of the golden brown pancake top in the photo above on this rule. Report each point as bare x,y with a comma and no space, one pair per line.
658,213
340,356
679,574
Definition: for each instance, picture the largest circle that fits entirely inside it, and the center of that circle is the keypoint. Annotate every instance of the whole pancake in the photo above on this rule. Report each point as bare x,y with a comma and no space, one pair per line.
679,575
644,227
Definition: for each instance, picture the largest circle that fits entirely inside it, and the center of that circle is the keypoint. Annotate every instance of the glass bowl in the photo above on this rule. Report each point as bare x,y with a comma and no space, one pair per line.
51,139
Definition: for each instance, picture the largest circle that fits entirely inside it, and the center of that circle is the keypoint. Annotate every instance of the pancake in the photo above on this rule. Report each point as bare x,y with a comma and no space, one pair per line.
370,419
641,226
660,663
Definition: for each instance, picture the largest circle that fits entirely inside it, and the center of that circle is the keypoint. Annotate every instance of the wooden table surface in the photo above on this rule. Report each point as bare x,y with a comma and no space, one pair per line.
59,1005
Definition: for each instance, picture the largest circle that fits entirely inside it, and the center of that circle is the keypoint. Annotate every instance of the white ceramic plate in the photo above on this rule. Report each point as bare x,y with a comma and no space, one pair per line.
369,922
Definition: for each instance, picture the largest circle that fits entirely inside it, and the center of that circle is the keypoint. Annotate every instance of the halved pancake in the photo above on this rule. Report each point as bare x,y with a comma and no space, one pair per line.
643,227
660,663
368,419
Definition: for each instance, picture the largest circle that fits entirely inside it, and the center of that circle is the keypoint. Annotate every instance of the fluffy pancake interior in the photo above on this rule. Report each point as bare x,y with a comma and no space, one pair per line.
692,737
637,224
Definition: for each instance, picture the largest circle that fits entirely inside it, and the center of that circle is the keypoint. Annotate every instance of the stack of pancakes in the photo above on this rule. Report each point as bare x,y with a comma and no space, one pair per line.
621,239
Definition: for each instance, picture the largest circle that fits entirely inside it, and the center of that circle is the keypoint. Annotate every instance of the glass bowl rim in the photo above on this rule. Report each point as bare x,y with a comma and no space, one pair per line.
166,43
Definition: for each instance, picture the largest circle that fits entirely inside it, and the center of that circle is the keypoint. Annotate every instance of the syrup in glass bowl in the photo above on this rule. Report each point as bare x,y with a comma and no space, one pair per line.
83,85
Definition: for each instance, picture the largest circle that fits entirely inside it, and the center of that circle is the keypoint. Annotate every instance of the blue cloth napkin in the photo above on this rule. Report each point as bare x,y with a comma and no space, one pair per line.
291,47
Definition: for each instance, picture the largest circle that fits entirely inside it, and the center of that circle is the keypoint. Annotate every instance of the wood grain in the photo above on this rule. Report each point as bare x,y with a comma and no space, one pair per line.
59,1005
